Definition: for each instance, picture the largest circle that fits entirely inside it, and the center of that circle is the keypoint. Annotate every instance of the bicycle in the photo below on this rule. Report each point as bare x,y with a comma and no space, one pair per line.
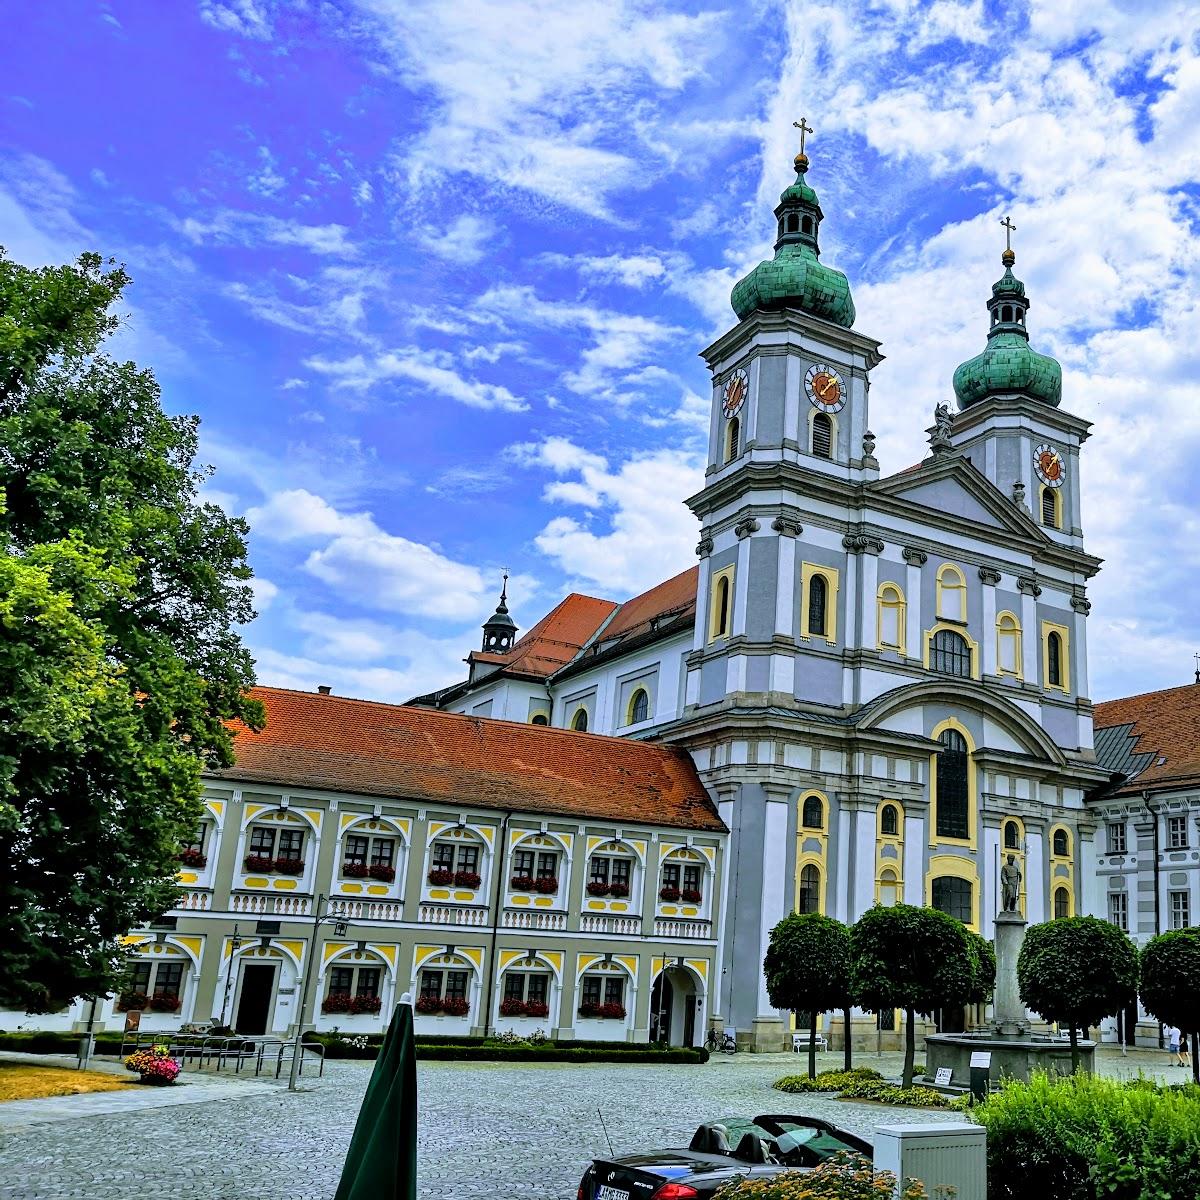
723,1042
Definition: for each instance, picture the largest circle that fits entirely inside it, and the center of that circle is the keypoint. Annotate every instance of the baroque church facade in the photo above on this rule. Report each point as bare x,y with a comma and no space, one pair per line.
882,680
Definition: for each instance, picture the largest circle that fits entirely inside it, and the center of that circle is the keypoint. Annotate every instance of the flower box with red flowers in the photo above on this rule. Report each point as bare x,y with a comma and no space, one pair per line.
365,1004
691,895
522,883
547,885
537,1008
289,866
589,1008
429,1005
164,1002
595,888
337,1002
512,1008
382,872
259,862
619,890
668,893
354,870
440,878
130,1001
456,1006
191,857
466,879
614,1012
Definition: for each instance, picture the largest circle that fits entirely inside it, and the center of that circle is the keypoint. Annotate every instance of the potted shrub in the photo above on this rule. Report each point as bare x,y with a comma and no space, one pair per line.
620,890
537,1008
596,888
429,1005
289,866
669,893
614,1012
354,870
153,1065
189,856
382,872
512,1008
466,879
440,878
523,883
336,1002
132,1000
365,1004
547,885
259,862
589,1008
691,895
164,1002
456,1006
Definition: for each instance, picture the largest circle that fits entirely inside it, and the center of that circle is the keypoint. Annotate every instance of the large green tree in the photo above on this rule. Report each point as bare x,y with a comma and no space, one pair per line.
121,594
1076,971
1170,984
912,958
807,967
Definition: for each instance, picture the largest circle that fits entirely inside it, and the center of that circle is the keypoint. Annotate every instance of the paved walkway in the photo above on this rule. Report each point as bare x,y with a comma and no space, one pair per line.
486,1129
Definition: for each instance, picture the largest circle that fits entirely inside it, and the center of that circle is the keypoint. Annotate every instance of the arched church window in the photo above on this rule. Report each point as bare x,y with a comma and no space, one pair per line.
806,225
891,617
889,891
889,820
1011,835
953,895
1062,903
953,792
1061,844
812,815
809,899
822,435
1054,653
1049,508
951,594
818,605
539,719
1008,644
950,653
793,222
579,722
639,706
732,433
721,609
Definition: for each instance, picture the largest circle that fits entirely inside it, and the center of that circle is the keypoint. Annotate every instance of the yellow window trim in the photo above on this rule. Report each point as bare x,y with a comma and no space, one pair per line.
824,812
1011,629
1056,493
629,707
960,588
1061,885
895,880
971,841
582,708
891,596
725,573
830,574
1069,857
812,860
972,644
961,868
1049,627
1018,854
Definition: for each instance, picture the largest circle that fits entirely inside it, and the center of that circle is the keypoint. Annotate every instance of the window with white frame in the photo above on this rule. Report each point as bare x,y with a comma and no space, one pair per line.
1118,910
609,875
367,855
353,989
454,863
155,985
194,852
1181,910
1116,837
270,847
443,991
602,996
681,881
535,871
1177,837
526,994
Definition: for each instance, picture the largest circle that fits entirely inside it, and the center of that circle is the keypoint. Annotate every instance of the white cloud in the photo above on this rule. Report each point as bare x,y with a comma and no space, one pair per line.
465,240
247,18
266,181
264,592
257,229
298,514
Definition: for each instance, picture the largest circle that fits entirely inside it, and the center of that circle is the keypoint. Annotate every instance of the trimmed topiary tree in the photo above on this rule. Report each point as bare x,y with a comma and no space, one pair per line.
808,967
912,958
1077,971
983,968
1170,984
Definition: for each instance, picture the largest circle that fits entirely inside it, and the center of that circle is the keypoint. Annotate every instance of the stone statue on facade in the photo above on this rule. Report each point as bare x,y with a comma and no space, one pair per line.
939,437
1010,885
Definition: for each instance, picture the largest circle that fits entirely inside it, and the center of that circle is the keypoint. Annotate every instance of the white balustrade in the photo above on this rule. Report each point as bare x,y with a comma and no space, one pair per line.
450,914
194,901
673,928
368,910
260,903
525,918
609,923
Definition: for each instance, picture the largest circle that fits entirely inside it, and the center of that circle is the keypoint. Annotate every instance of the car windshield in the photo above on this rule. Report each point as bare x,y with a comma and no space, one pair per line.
808,1141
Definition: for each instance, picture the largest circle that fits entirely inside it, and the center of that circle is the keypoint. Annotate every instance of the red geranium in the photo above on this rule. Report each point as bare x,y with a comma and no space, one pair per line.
615,1011
512,1008
547,885
668,893
259,862
456,1006
440,878
589,1008
354,870
132,1000
382,872
523,883
365,1004
692,895
595,888
618,889
428,1004
289,866
537,1008
466,879
337,1002
165,1002
191,857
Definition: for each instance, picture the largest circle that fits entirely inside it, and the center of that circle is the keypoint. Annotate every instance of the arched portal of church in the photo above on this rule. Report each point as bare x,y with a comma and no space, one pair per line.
676,1005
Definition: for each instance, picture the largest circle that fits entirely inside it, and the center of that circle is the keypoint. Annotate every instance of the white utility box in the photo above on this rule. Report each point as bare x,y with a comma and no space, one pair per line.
945,1155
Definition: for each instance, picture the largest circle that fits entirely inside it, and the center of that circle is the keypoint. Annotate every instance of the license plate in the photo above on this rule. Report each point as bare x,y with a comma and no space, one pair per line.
604,1192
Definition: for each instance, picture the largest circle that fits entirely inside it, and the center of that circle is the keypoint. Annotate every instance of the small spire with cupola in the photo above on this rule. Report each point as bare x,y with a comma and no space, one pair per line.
500,630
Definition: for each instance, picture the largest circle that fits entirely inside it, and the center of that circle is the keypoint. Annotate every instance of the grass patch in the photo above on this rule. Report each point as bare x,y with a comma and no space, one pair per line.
20,1082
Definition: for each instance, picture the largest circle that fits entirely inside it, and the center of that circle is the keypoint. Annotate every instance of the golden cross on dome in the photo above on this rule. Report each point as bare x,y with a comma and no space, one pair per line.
804,128
1008,230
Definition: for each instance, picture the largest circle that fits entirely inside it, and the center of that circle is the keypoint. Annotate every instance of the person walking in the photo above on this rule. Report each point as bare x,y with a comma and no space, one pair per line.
1182,1057
1172,1036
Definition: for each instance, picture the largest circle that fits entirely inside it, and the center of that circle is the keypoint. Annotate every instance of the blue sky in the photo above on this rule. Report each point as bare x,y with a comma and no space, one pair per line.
435,276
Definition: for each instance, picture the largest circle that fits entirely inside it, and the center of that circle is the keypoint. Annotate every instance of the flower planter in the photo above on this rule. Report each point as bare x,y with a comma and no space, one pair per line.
130,1001
164,1003
466,879
428,1005
289,866
456,1008
691,896
439,878
603,1012
382,872
258,862
522,883
669,894
153,1066
354,870
597,889
344,1002
545,887
618,891
193,858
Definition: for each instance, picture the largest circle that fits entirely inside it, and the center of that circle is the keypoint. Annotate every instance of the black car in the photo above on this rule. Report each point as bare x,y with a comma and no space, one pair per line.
720,1151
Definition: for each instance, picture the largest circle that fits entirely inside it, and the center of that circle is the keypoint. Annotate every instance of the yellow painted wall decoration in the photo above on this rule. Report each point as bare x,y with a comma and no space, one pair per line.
889,870
216,807
386,950
332,948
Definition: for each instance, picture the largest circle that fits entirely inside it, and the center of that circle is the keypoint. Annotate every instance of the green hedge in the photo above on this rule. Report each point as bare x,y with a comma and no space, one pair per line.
1084,1137
46,1042
476,1050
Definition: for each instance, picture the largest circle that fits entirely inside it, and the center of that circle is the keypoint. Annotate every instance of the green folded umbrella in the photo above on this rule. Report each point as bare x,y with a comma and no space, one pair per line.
382,1160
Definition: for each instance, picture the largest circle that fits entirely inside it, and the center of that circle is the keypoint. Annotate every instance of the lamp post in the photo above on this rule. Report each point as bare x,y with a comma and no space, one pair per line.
339,927
234,944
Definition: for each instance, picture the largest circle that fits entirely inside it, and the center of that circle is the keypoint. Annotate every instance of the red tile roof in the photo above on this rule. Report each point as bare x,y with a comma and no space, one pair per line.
1166,729
664,599
360,746
555,639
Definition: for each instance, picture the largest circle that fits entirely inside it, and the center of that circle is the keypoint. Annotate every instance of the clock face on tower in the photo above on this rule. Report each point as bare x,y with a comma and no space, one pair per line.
736,387
825,388
1048,464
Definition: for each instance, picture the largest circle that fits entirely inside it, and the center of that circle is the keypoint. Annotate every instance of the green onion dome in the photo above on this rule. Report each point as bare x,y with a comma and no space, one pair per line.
1009,365
795,278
